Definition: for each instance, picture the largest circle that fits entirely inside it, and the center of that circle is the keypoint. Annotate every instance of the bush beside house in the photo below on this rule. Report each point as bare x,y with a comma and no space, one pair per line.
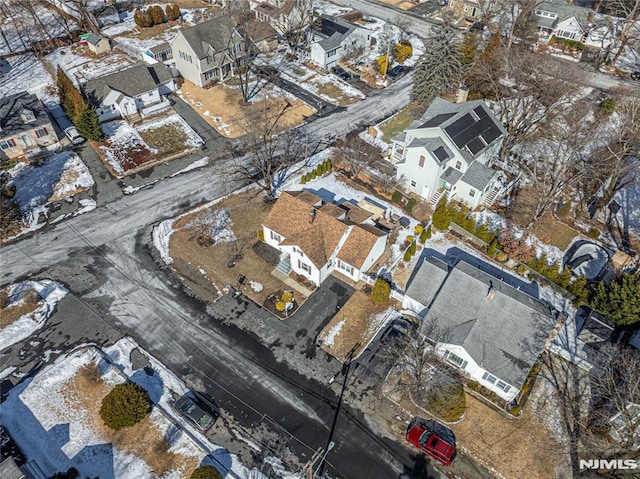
125,405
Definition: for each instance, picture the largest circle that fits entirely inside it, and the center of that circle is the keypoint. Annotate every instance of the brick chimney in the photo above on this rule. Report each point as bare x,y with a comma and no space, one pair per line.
463,93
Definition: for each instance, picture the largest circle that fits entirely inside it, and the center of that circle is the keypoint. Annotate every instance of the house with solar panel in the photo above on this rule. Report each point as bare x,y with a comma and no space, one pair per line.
449,152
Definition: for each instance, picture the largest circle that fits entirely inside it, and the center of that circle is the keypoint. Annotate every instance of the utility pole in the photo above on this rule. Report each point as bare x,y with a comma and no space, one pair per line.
345,370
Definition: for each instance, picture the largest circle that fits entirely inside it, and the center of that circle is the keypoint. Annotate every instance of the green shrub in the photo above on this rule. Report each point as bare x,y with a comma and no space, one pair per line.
206,472
578,287
593,233
473,385
502,256
493,246
319,170
418,229
410,205
441,218
125,405
261,235
381,291
409,240
407,255
303,179
396,197
564,209
412,248
516,410
425,235
483,232
448,402
521,269
607,106
313,175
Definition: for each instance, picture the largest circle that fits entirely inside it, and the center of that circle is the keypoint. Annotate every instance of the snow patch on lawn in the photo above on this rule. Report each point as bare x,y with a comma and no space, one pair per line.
333,332
49,293
256,286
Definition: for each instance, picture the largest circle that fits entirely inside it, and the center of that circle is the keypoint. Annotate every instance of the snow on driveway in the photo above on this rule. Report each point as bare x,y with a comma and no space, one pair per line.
49,294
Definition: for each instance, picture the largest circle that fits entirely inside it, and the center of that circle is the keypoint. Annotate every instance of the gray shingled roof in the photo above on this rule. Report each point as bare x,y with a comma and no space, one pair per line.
11,121
426,281
94,38
478,175
504,334
442,114
564,12
336,30
431,145
214,34
451,175
132,81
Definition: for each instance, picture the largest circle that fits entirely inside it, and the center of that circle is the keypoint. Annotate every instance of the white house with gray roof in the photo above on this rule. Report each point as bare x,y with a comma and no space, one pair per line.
491,330
132,93
558,18
336,38
208,51
449,152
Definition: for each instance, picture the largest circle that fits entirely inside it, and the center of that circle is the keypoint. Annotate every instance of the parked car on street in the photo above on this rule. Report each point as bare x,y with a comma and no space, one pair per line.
191,408
73,134
424,435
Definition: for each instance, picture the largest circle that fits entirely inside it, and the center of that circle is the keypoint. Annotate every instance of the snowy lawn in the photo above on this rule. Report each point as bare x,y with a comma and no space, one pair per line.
54,418
59,176
124,149
170,136
78,62
28,73
25,308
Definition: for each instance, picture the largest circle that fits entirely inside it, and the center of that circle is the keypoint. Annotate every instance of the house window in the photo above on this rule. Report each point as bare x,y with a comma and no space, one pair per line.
504,386
40,132
413,183
458,165
569,35
276,237
472,192
209,75
332,53
466,8
304,267
345,267
457,360
490,378
10,143
421,162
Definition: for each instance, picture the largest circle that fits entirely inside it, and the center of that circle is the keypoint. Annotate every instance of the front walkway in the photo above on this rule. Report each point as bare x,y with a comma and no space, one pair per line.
292,283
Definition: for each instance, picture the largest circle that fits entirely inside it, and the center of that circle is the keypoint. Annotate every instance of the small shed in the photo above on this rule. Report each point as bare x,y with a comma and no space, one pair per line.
98,44
160,52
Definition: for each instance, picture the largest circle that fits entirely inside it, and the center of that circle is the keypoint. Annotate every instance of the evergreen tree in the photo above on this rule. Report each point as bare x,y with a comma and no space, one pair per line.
620,299
442,216
177,13
71,99
142,18
88,124
156,14
170,13
491,249
440,68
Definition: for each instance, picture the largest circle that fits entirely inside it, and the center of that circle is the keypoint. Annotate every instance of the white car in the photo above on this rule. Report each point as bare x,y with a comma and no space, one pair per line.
73,134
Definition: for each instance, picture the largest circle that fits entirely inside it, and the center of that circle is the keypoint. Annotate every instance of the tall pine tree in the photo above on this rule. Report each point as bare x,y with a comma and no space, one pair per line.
71,99
441,67
619,300
88,124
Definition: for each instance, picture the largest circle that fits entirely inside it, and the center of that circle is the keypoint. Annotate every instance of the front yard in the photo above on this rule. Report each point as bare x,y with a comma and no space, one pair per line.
127,149
221,106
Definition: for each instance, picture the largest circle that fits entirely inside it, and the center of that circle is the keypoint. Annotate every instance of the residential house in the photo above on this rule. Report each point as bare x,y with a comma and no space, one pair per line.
263,36
449,152
334,38
470,10
492,331
317,238
25,126
132,93
98,44
556,18
208,51
284,16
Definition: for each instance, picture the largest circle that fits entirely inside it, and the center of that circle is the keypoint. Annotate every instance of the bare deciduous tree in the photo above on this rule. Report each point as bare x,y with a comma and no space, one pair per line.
79,9
356,154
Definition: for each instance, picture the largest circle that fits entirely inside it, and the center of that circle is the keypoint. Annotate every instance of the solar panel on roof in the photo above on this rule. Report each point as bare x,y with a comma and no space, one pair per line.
475,146
481,112
491,133
437,120
440,153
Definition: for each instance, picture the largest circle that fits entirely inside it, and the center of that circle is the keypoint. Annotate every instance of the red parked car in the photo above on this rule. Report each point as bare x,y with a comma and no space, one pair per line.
428,441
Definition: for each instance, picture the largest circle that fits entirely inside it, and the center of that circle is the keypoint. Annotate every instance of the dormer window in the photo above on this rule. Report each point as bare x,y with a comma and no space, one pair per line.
27,116
458,165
